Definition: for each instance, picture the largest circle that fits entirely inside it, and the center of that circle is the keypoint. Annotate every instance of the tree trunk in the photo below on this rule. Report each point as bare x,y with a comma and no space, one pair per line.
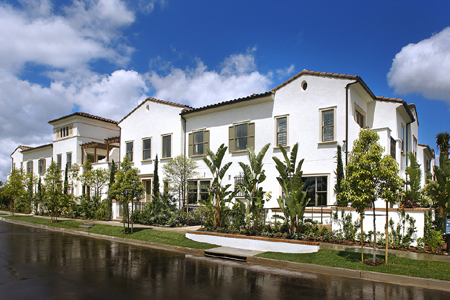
362,242
386,256
123,217
374,255
132,212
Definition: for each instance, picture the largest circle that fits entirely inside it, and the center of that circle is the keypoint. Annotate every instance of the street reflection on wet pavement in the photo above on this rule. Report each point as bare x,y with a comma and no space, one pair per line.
39,264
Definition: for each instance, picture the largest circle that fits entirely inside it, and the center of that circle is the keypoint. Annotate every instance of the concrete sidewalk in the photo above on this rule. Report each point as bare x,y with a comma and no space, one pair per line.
115,223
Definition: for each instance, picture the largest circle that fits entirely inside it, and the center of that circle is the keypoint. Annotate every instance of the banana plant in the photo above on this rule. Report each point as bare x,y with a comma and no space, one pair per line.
253,176
219,195
294,202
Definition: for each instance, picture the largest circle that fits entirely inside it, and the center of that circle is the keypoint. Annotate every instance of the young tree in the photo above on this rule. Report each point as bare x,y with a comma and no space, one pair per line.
66,179
53,190
339,177
294,203
219,195
39,196
127,188
112,174
370,176
15,188
177,171
254,175
155,192
414,175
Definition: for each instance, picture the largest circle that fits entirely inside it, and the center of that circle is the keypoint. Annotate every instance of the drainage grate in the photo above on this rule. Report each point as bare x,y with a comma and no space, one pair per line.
226,256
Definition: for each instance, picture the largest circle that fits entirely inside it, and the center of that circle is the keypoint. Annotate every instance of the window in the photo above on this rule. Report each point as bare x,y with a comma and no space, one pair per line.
21,166
327,125
393,144
415,146
41,166
29,167
90,157
146,149
282,138
241,137
359,118
402,135
69,160
64,131
198,190
129,150
59,160
167,146
198,142
316,190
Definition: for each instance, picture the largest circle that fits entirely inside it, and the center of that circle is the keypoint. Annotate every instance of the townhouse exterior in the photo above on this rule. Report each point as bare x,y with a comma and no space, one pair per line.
317,110
76,138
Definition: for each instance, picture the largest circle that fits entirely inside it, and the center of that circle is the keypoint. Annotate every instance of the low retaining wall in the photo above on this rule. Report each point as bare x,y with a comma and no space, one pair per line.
253,243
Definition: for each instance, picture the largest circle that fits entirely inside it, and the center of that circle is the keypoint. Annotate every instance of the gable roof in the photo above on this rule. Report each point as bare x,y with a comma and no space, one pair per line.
38,147
86,115
156,101
228,102
21,148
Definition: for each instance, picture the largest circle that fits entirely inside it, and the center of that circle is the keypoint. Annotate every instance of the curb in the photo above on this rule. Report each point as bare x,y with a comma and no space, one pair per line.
434,284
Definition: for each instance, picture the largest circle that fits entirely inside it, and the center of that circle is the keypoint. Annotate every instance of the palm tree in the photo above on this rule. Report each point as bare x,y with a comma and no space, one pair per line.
443,142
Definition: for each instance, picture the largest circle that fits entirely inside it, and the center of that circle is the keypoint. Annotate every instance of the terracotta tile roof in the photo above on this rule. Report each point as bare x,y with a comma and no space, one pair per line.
228,102
388,99
86,115
320,74
38,147
21,148
157,101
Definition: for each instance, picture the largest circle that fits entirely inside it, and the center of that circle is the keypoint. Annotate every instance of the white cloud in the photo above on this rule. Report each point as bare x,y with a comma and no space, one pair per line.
423,68
199,86
285,72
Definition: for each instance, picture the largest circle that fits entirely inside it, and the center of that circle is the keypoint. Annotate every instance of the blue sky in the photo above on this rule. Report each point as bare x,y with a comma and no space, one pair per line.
105,56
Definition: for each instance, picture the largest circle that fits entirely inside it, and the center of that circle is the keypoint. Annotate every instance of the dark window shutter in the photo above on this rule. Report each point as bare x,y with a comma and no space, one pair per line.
205,141
191,144
251,136
231,141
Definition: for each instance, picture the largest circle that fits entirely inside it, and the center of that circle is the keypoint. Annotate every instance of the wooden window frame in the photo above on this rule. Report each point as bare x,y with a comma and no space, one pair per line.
191,145
277,145
42,168
162,146
144,149
30,167
59,160
250,137
67,160
321,126
132,150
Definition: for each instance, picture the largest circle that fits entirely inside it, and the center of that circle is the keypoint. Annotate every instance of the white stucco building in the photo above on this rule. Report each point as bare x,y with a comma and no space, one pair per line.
314,109
76,138
317,110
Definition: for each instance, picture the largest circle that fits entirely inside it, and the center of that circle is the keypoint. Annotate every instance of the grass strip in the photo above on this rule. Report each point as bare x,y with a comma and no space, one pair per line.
141,234
350,260
47,222
151,235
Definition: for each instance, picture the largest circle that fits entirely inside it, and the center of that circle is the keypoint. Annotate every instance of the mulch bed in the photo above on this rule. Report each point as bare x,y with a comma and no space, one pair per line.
370,262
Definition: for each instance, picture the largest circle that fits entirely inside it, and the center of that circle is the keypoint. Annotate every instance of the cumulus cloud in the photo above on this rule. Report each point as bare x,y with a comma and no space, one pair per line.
286,71
423,68
199,86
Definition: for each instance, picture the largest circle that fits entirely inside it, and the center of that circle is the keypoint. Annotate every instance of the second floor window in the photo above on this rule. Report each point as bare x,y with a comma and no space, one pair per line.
129,150
328,125
282,131
29,167
241,137
69,161
198,142
59,160
166,146
146,149
41,166
359,118
393,144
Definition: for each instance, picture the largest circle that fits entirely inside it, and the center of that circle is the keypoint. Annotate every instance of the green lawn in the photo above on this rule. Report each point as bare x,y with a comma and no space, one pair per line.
3,214
151,235
148,235
42,221
349,260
